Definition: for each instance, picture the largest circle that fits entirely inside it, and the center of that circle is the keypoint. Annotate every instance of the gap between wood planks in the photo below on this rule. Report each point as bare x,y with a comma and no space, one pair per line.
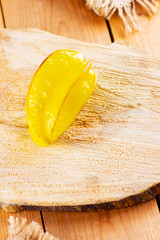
110,31
44,229
2,20
158,201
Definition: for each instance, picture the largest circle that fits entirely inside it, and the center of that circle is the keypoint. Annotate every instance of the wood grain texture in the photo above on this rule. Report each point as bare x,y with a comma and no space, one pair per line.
127,224
122,114
29,215
146,39
65,17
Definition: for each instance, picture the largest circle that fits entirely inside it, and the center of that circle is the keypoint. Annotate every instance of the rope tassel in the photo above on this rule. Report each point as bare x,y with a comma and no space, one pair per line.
20,230
125,8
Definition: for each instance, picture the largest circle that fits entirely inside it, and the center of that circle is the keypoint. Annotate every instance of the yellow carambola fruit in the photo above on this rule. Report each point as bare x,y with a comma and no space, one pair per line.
58,91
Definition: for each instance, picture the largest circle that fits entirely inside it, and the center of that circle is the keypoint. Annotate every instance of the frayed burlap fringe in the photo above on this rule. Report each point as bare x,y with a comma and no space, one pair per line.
125,8
20,230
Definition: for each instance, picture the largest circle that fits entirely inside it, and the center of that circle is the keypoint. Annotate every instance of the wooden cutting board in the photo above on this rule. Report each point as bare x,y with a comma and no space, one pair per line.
109,157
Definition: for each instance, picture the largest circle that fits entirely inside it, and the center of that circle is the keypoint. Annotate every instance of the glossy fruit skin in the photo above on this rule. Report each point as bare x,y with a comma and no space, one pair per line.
58,91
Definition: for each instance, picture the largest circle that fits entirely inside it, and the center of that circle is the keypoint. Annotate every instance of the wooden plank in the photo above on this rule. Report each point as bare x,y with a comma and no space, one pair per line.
138,222
29,215
72,19
65,17
148,38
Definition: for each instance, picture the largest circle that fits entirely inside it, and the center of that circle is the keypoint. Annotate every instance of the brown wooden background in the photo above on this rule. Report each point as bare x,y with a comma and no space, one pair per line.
70,18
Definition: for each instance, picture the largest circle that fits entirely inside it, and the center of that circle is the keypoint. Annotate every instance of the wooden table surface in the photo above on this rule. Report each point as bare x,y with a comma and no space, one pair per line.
70,18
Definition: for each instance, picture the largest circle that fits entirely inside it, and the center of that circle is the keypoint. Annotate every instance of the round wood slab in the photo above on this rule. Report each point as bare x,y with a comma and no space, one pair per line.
109,157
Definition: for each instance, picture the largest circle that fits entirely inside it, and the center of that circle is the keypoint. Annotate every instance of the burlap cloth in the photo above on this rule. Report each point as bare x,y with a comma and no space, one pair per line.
20,230
126,10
